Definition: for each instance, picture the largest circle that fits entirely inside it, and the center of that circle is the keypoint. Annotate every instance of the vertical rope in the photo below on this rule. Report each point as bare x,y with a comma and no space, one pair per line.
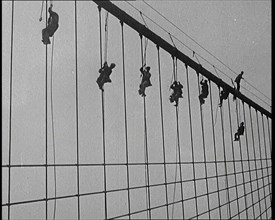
10,113
106,37
204,154
233,157
261,168
46,115
225,165
163,142
146,145
191,138
266,165
77,124
125,120
255,159
103,123
270,155
240,147
215,150
249,169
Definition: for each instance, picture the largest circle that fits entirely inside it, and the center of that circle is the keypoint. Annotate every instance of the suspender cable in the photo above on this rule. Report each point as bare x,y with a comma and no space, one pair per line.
46,115
53,136
259,139
270,154
191,138
249,168
146,145
225,164
204,153
233,157
106,37
240,147
163,141
10,113
215,150
125,120
103,121
255,158
77,124
266,165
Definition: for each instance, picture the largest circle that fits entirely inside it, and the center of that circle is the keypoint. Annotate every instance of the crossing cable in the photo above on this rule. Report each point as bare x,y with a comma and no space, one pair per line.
163,140
191,139
10,112
215,150
234,161
53,131
204,153
125,120
249,168
77,124
254,152
225,164
266,165
200,55
177,147
103,121
259,139
147,180
241,156
200,45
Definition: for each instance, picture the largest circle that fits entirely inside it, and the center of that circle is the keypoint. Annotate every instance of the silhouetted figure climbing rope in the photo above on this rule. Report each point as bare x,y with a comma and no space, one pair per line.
204,91
223,96
51,27
105,73
239,132
145,81
177,92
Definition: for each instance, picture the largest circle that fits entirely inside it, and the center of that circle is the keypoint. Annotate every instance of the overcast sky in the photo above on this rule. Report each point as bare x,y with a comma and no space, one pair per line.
236,32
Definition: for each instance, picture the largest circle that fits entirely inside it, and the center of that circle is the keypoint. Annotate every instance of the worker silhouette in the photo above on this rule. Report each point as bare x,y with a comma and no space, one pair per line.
223,96
51,27
239,132
105,73
204,91
238,82
145,81
177,92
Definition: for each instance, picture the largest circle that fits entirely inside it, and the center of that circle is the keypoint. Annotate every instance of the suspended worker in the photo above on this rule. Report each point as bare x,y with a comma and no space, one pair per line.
51,27
238,80
239,132
223,96
204,91
177,92
145,81
105,73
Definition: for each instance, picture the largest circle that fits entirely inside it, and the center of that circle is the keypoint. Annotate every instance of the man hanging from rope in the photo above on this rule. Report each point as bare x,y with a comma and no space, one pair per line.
105,73
239,132
52,26
177,92
145,81
204,91
223,96
238,81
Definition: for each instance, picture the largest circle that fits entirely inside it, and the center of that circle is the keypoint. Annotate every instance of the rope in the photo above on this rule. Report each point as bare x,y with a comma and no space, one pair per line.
10,113
40,18
46,117
163,141
172,40
194,55
53,136
106,37
125,120
103,121
191,138
77,124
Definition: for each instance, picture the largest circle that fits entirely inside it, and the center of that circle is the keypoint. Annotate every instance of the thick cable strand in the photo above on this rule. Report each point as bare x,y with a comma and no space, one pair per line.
191,139
233,157
163,140
46,118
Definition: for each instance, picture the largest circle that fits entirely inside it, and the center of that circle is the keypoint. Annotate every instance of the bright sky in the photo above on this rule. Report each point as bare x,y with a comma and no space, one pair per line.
236,32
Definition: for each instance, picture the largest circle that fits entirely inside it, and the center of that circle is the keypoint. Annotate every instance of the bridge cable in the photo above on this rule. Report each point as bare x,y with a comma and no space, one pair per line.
125,120
204,152
10,112
163,141
148,202
192,143
103,120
